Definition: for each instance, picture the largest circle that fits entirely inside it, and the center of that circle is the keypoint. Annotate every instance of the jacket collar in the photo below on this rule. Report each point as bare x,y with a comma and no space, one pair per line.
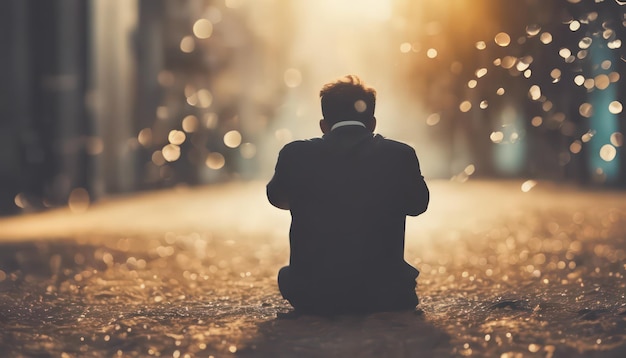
346,123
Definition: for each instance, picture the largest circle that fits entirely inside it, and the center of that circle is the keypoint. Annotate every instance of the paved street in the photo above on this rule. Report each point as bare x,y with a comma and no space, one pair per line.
190,272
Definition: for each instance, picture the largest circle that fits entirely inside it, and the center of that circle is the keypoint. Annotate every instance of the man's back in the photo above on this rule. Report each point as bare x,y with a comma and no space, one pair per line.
349,193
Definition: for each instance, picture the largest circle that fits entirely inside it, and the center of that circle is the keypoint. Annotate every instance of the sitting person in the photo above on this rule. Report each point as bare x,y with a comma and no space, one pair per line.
349,193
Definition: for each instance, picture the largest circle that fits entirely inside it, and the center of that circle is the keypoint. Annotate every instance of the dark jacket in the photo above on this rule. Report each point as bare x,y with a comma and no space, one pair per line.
349,193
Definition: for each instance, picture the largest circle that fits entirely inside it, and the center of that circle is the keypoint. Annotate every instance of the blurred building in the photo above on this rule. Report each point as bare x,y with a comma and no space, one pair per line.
110,96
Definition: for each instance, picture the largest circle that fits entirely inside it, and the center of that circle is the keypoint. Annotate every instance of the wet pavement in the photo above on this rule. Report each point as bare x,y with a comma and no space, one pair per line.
190,272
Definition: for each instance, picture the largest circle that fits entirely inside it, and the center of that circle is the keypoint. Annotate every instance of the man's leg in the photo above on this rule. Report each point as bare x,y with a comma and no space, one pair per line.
285,282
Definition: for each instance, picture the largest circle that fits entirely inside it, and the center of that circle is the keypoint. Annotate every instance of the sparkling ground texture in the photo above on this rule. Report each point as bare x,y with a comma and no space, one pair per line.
190,272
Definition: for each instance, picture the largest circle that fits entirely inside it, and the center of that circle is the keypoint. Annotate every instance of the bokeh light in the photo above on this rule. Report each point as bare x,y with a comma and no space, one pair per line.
545,38
608,152
171,152
176,137
187,44
190,123
215,161
465,106
431,53
502,39
232,139
203,29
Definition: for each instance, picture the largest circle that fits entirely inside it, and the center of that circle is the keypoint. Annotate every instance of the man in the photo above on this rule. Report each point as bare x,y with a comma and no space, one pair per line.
349,193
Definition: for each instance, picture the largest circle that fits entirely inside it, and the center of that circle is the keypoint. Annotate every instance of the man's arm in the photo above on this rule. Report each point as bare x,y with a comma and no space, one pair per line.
276,190
418,194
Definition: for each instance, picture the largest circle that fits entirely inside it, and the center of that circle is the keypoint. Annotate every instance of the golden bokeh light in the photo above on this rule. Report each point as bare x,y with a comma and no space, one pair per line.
433,119
617,139
502,39
587,136
171,152
145,137
528,185
481,72
615,107
431,53
608,152
589,83
576,147
534,92
615,44
579,80
190,123
508,62
536,121
585,42
215,161
232,139
203,29
602,82
533,30
574,26
496,137
545,38
176,137
585,110
465,106
547,106
405,47
21,201
187,44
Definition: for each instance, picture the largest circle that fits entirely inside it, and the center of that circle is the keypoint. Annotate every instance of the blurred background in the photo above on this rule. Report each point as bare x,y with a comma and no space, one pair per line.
106,97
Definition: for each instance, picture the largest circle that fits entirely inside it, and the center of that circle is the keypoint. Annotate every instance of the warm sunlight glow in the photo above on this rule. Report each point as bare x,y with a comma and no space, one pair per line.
358,9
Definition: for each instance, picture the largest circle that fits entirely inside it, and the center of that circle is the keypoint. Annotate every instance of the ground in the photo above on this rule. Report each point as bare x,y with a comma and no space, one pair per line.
190,272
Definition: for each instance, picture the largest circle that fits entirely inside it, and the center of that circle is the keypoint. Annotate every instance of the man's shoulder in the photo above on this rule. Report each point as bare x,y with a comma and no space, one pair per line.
392,144
302,144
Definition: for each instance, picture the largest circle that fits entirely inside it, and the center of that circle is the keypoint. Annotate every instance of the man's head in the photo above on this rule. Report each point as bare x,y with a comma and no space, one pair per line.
347,99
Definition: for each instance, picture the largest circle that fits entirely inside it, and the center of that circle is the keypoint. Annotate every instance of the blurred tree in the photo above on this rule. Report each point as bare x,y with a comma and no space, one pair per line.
506,81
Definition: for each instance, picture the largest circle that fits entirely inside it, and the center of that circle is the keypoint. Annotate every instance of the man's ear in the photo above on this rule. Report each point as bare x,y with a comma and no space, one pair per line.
324,126
371,124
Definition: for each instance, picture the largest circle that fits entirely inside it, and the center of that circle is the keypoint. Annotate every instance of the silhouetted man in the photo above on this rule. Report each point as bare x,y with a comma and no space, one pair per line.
349,193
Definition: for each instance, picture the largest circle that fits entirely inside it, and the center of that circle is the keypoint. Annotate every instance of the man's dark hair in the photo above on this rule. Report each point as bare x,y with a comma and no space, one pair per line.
348,99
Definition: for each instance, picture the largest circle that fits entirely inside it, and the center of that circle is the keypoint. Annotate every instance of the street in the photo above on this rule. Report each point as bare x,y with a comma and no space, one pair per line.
508,269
